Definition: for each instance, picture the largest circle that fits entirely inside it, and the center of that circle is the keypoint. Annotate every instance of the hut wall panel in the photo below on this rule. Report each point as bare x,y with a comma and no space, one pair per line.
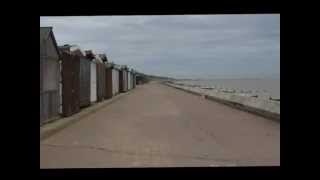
60,87
125,81
129,80
119,77
60,99
49,80
41,80
49,103
134,81
93,82
49,91
109,93
41,75
124,77
121,88
130,83
131,75
50,75
70,84
42,48
51,51
54,103
115,81
84,82
101,79
41,109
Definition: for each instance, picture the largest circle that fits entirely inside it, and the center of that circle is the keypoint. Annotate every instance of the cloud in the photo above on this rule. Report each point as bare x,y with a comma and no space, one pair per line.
179,46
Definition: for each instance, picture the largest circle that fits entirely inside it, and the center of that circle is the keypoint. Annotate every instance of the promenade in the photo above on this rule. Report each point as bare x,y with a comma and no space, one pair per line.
160,126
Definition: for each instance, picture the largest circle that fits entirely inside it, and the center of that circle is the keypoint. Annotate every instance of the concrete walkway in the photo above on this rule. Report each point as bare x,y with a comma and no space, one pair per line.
159,126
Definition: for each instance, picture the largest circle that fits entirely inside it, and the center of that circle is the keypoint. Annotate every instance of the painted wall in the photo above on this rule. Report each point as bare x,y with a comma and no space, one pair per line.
115,81
85,67
93,82
129,81
49,81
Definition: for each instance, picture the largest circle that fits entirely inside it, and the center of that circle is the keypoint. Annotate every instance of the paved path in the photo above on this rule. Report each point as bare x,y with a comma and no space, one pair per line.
160,126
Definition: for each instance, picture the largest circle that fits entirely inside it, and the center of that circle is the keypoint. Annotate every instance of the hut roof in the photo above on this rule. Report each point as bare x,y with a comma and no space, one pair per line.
45,34
89,54
103,57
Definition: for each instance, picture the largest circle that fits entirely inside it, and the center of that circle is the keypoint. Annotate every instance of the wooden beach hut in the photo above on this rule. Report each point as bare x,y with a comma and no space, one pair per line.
49,75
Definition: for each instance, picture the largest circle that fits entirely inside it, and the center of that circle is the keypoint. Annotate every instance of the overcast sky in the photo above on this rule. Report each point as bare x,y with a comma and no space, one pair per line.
182,46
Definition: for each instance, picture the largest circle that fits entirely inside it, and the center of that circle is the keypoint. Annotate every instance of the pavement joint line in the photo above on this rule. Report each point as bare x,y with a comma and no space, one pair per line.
53,127
152,154
214,161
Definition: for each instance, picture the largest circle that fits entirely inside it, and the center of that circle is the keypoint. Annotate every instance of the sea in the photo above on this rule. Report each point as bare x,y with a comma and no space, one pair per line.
260,87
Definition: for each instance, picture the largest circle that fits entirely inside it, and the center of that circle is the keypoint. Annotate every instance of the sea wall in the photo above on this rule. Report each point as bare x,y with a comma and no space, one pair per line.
266,108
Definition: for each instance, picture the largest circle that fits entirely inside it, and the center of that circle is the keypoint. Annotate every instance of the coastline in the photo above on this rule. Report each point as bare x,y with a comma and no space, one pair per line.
268,108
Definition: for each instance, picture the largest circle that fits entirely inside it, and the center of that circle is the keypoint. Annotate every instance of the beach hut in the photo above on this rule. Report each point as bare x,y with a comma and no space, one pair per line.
101,79
115,79
108,76
49,75
123,79
85,67
109,93
93,75
133,79
112,79
70,81
129,74
126,78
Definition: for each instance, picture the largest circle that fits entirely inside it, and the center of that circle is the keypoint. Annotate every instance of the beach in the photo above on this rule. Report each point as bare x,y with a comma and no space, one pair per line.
260,88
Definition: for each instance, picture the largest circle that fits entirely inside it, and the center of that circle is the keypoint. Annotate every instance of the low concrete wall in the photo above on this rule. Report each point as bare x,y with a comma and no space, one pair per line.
265,108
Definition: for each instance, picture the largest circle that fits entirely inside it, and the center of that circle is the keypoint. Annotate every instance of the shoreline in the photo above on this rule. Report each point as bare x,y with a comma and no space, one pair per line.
264,107
250,91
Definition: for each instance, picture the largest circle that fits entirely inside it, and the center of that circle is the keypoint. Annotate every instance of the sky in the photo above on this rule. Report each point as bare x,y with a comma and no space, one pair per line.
179,46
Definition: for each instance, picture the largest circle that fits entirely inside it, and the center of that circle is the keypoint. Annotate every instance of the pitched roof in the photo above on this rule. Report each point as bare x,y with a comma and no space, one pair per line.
64,48
103,57
77,52
45,32
98,59
116,66
108,65
89,54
